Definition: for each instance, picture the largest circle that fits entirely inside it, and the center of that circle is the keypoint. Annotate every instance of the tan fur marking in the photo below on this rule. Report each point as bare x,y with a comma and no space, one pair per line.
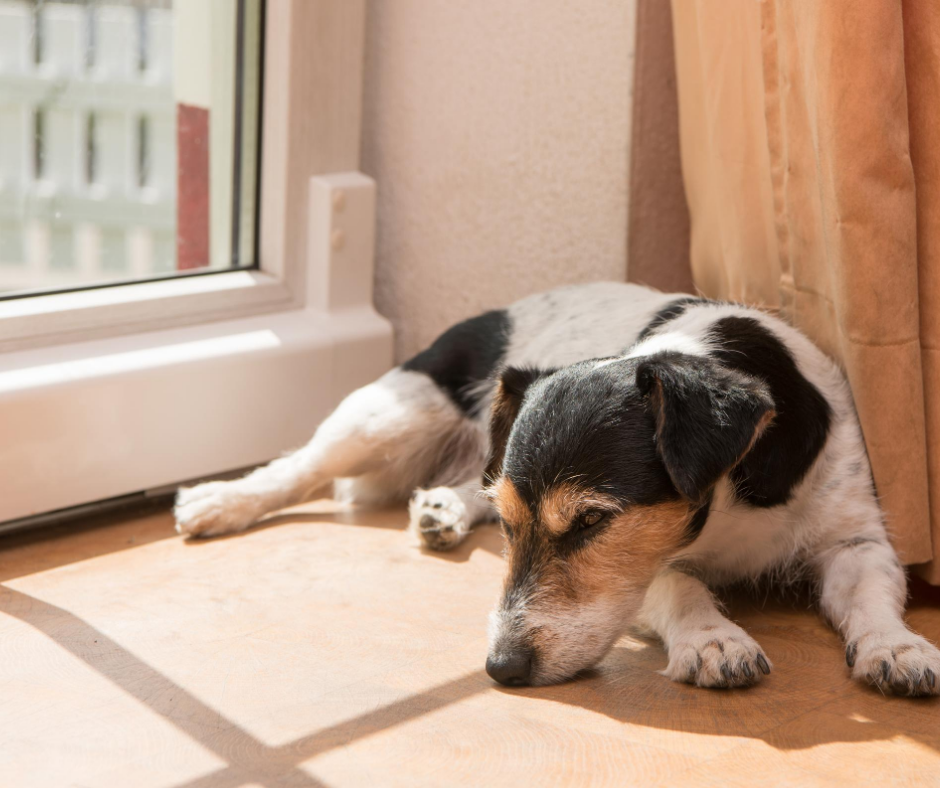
618,565
633,546
627,553
762,425
503,412
509,503
564,502
656,400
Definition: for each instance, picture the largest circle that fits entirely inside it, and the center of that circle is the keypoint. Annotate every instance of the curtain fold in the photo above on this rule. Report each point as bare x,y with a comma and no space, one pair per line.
813,188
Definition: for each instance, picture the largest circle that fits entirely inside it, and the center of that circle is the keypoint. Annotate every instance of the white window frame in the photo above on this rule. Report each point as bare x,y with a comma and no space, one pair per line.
290,339
311,126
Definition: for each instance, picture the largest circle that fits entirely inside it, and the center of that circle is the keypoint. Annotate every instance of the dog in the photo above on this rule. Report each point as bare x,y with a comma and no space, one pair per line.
638,449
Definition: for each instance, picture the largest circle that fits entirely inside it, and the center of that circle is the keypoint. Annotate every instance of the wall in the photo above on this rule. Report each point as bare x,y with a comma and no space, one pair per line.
499,135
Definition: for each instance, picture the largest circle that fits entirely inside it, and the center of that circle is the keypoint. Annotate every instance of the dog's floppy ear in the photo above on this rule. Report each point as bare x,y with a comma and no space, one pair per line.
512,386
707,417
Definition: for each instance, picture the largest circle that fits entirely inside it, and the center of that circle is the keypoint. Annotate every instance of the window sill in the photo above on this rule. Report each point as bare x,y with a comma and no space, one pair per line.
116,416
115,311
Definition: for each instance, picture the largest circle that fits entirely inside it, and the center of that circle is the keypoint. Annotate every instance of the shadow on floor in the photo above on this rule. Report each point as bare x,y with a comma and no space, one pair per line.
80,539
625,688
486,536
96,535
249,760
809,677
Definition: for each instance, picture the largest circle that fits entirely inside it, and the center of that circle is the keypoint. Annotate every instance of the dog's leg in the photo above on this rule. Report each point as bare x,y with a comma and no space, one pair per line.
442,517
863,589
402,431
704,647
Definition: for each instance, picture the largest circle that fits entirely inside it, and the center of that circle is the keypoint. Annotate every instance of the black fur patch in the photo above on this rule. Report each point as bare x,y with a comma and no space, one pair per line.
697,523
789,446
589,426
706,416
859,541
575,539
513,384
465,355
671,311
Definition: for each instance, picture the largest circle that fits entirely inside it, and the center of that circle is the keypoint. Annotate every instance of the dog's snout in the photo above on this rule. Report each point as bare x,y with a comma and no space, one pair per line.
511,668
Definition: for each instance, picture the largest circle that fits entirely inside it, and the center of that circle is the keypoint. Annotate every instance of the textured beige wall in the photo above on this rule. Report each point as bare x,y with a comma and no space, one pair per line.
498,133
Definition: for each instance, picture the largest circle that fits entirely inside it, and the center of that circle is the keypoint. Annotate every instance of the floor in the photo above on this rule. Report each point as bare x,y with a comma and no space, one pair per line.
325,649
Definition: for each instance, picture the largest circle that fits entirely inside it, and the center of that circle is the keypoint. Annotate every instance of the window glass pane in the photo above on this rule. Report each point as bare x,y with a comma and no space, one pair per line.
128,140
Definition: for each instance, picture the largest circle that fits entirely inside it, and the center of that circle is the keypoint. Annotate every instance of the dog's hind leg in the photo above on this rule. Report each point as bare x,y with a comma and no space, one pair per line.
442,517
396,434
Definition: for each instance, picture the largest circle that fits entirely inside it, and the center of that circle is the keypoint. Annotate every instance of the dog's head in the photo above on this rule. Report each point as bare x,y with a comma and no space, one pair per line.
600,471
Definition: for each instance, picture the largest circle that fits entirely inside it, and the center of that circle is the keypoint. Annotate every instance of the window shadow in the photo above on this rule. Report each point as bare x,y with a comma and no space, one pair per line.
249,760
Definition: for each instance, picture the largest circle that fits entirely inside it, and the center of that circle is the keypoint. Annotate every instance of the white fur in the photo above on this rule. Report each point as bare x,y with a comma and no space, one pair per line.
570,638
393,435
402,433
704,647
442,517
863,586
579,322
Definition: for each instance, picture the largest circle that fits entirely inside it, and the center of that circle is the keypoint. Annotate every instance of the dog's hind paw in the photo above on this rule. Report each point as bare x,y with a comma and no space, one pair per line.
717,657
900,663
438,518
211,509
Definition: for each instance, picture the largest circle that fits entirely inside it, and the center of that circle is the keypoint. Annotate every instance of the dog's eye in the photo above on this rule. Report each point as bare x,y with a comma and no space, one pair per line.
590,519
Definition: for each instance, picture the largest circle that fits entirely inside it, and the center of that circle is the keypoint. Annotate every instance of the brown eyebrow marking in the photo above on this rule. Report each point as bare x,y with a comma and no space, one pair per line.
560,505
512,509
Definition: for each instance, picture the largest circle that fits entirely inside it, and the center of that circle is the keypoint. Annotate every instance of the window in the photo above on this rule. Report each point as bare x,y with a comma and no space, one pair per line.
140,120
156,345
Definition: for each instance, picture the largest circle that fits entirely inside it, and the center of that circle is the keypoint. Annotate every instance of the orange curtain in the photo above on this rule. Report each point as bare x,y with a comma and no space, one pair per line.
813,183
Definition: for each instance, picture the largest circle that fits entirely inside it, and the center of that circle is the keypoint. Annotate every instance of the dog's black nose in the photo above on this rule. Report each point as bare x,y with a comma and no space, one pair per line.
512,668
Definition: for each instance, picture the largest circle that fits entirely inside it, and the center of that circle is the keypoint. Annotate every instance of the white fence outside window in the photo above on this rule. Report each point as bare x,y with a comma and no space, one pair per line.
87,142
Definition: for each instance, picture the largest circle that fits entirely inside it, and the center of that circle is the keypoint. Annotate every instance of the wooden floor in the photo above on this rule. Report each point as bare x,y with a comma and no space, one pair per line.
326,650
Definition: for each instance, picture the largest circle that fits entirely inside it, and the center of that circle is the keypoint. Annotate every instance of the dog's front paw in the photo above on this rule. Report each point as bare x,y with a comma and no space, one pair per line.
717,657
211,509
438,518
901,663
